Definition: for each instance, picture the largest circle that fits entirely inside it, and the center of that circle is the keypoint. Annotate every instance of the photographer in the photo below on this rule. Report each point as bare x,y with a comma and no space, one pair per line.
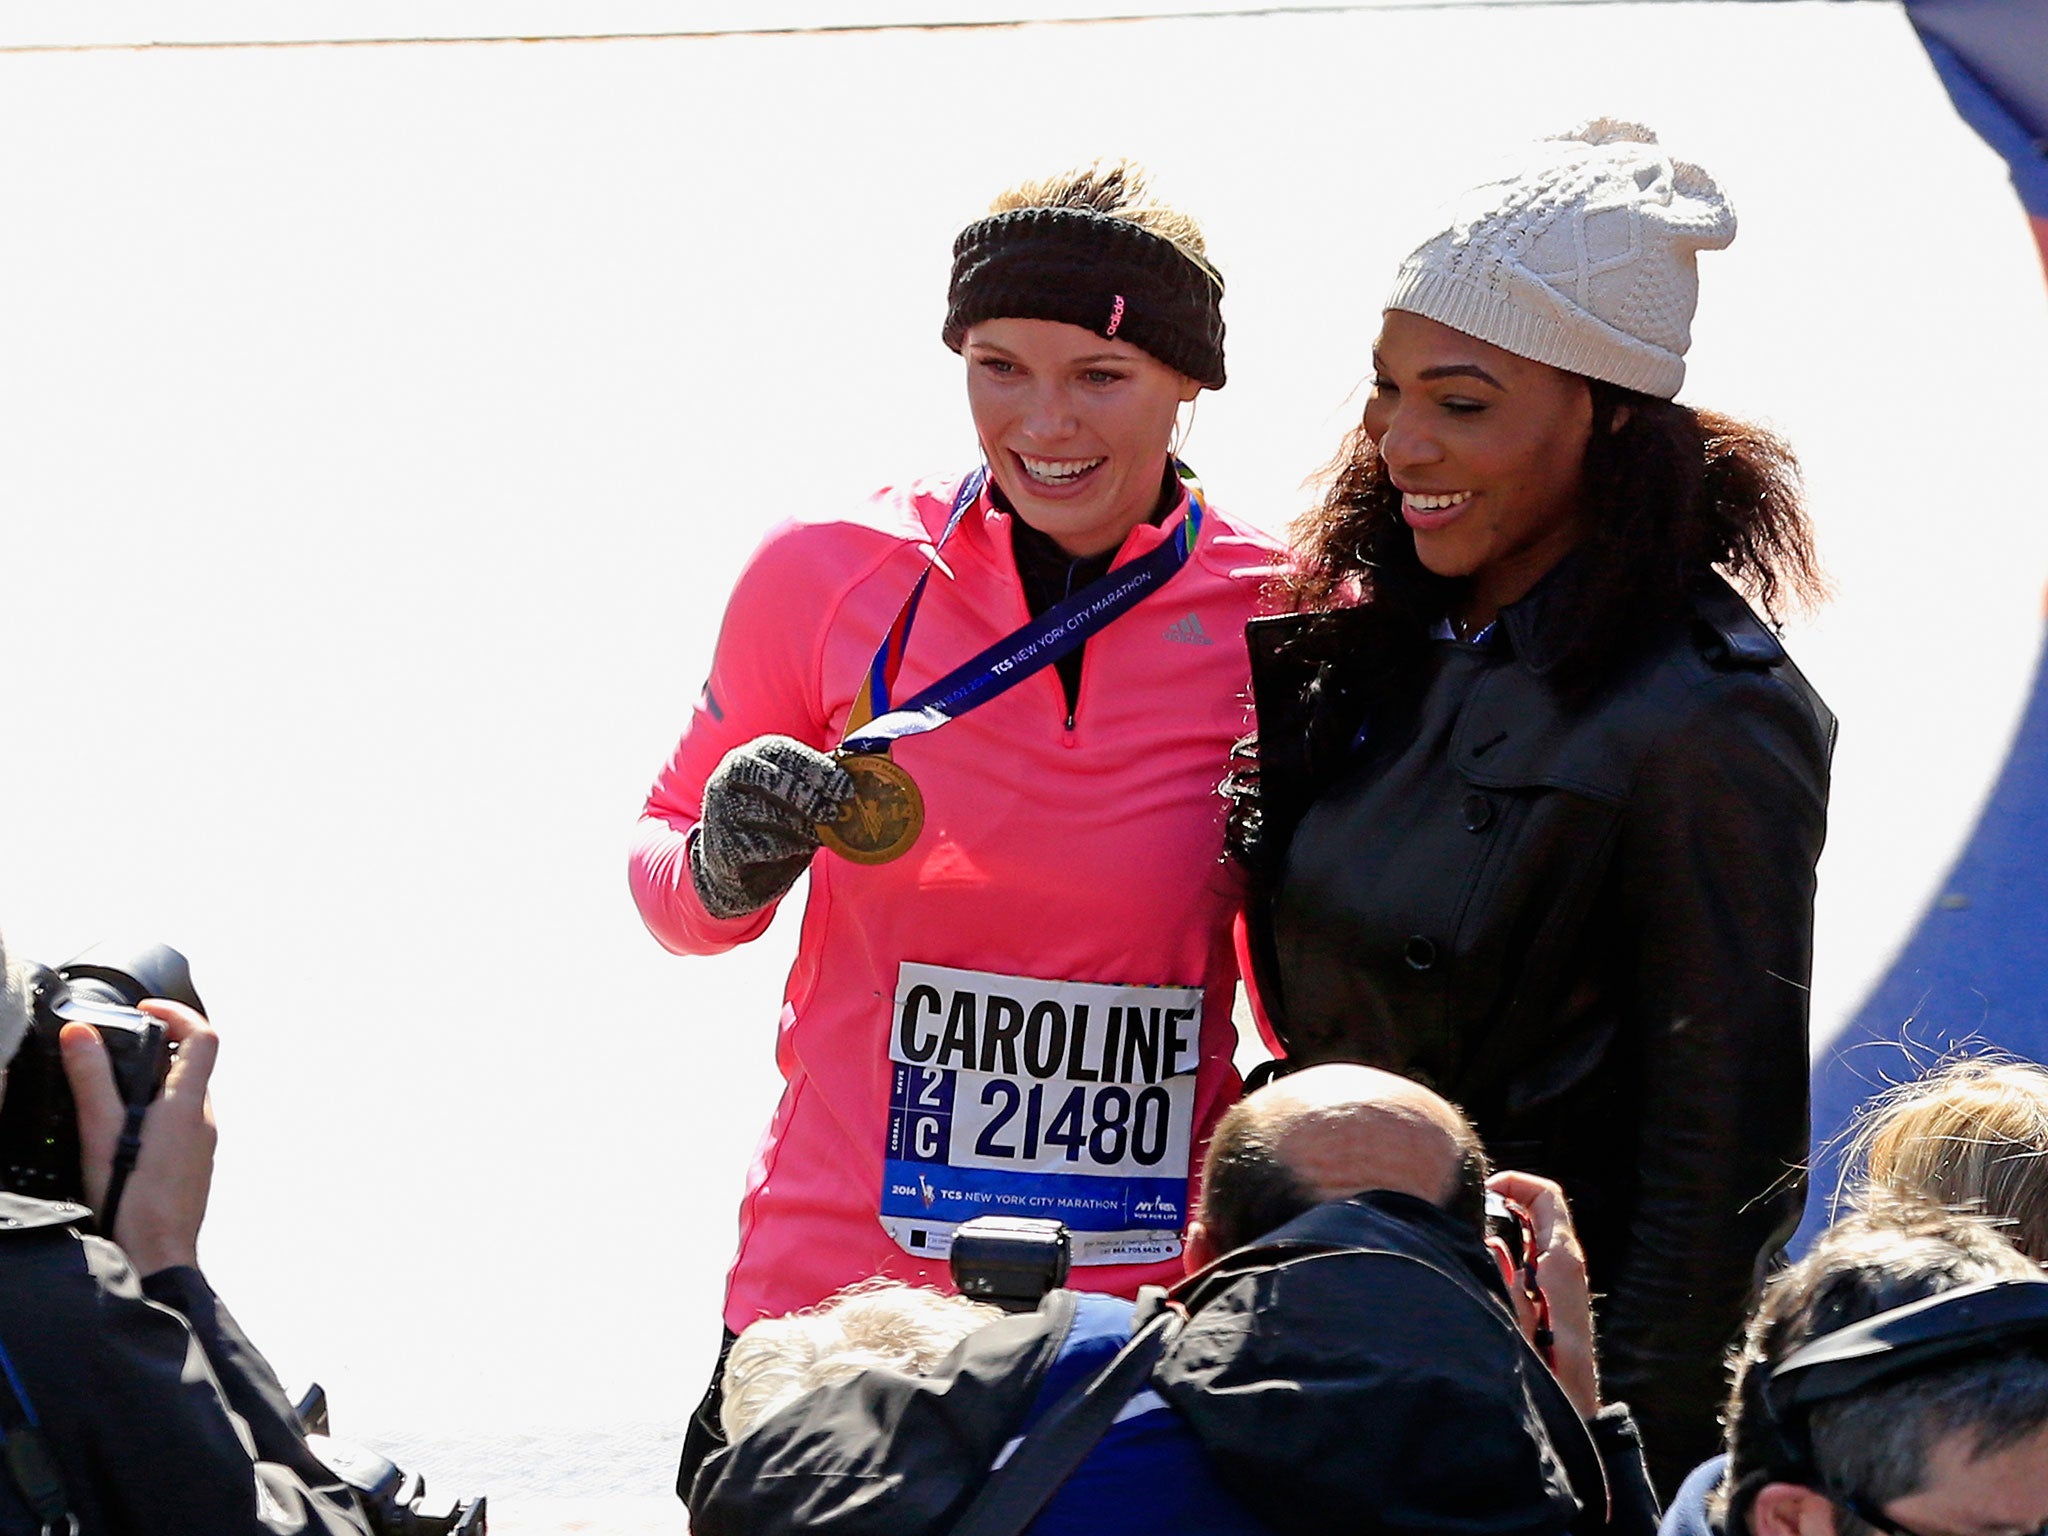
1347,1360
1894,1379
129,1399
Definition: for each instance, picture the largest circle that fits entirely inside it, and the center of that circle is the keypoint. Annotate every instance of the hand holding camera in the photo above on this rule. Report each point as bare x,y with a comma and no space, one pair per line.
1559,1266
93,1005
159,1215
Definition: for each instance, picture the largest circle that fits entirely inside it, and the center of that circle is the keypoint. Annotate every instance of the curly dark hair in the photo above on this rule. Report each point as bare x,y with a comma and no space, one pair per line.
1671,494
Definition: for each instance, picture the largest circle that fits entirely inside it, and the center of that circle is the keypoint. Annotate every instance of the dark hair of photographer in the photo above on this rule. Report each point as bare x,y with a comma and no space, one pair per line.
1876,1447
1320,1136
1251,1188
1339,1129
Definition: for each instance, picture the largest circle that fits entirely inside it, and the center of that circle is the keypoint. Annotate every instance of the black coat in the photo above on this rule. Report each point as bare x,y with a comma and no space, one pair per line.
1360,1369
1586,917
162,1418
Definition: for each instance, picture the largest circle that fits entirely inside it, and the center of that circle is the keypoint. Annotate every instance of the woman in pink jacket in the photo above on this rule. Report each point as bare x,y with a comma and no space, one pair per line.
1004,701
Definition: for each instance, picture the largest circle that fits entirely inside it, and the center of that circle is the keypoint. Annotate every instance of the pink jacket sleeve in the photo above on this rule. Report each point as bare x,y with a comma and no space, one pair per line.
764,681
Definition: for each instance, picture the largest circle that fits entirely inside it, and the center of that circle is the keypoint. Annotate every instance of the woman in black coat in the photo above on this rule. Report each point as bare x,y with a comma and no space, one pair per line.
1538,797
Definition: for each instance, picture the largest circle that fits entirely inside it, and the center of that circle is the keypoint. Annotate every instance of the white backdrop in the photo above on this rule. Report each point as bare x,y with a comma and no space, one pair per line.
381,427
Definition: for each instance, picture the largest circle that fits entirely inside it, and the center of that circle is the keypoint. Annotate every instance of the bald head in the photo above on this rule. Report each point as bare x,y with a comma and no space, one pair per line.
1326,1132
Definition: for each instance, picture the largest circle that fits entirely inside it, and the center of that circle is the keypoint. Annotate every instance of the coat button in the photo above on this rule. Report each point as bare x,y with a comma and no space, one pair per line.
1419,952
1478,813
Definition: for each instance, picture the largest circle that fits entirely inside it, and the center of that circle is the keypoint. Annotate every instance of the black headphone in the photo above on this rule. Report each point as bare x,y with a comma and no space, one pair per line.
1922,1335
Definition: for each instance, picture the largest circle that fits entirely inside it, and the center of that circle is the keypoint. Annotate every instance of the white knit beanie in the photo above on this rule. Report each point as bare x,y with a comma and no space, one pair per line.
1583,259
13,1007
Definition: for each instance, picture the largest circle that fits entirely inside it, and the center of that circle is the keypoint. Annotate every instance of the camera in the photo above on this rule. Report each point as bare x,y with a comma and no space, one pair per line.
38,1121
1510,1223
389,1497
1012,1261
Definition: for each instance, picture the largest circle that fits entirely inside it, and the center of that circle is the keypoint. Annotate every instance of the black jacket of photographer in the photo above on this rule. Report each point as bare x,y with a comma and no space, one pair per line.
161,1416
1584,914
1357,1369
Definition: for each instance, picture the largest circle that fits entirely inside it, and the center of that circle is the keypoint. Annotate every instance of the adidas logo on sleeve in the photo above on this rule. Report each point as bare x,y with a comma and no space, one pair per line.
1189,631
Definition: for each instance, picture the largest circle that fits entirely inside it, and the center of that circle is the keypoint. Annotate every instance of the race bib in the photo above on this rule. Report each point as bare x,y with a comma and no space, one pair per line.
1064,1099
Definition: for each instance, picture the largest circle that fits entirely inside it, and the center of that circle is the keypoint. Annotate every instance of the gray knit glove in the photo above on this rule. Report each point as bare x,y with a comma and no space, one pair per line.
761,807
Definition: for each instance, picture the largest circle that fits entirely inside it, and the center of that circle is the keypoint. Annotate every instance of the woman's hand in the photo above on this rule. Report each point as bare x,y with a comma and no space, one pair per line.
762,805
1561,1275
164,1201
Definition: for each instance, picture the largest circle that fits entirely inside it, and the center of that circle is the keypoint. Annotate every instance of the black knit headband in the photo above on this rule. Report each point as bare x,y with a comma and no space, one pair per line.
1094,270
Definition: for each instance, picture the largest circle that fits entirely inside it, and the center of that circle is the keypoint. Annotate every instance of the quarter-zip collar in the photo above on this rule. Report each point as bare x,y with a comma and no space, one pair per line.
1048,574
989,521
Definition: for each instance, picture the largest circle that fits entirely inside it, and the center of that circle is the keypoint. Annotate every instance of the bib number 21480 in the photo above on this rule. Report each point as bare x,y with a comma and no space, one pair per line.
1101,1124
1018,1096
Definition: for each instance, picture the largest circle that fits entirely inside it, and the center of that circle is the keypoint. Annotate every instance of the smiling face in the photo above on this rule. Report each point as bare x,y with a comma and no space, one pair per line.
1075,426
1487,450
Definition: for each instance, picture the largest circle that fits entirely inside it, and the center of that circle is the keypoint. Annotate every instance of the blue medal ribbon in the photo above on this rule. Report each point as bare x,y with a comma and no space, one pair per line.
1026,651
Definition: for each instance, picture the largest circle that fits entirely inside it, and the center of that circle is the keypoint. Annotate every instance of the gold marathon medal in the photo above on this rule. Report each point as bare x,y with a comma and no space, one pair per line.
881,818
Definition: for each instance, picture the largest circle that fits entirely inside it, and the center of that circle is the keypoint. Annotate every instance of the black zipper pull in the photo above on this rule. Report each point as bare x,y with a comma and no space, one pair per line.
1072,566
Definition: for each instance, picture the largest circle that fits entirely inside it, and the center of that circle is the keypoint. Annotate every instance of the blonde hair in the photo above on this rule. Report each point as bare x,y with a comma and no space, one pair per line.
1120,188
875,1325
1972,1135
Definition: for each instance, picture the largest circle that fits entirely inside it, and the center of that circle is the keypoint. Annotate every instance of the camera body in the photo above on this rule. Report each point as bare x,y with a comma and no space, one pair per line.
389,1497
38,1120
1510,1223
1012,1261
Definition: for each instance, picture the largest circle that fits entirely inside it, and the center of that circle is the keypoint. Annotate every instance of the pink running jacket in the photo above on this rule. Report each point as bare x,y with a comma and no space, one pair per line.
1029,1012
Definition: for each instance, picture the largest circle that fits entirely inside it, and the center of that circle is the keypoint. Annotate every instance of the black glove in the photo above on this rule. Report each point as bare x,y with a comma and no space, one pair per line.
759,830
